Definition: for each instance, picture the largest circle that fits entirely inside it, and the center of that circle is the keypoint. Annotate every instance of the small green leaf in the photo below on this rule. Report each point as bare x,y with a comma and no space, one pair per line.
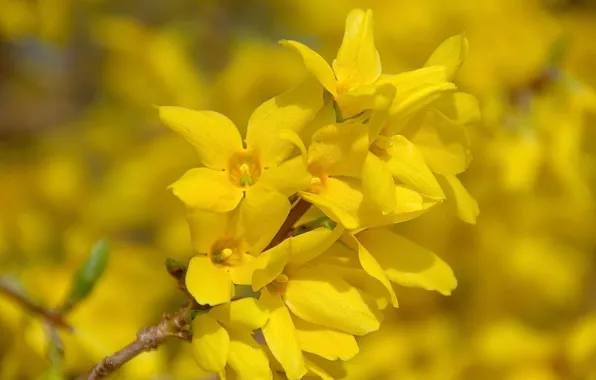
87,275
176,268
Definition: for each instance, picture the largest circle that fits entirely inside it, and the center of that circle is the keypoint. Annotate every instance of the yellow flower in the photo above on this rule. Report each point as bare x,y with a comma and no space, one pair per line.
223,342
402,261
414,102
232,171
225,243
313,306
433,117
357,63
345,186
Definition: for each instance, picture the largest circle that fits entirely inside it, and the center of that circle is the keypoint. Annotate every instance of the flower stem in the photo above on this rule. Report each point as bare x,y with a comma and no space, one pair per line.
295,214
52,317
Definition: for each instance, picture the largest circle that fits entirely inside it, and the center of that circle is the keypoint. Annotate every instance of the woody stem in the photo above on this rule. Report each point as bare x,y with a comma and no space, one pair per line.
295,214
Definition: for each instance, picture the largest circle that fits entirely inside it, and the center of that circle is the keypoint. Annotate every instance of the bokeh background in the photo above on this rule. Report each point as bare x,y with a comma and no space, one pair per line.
83,156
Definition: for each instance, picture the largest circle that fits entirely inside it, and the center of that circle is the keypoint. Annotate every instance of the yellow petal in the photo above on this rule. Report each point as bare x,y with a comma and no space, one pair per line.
208,284
460,107
339,199
339,150
407,165
443,143
410,204
210,343
356,277
290,111
407,263
207,189
327,300
261,214
280,335
358,61
416,100
326,116
327,343
415,90
214,136
373,268
315,64
264,268
245,312
466,205
372,97
308,246
451,54
378,185
248,360
205,228
321,368
288,178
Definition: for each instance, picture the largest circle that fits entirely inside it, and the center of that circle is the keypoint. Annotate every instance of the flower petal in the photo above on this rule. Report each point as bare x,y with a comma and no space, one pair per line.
292,111
378,184
323,369
280,335
248,360
371,97
443,143
207,189
208,284
327,343
451,54
407,165
261,214
414,90
288,178
460,107
309,245
406,262
327,300
214,136
264,268
339,150
373,268
245,312
358,61
410,204
315,64
466,205
205,228
210,343
339,199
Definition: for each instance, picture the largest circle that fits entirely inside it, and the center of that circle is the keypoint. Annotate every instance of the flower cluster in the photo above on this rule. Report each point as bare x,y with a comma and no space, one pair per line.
291,223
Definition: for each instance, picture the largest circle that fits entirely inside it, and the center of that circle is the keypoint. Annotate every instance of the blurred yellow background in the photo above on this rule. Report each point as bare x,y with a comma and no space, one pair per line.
83,155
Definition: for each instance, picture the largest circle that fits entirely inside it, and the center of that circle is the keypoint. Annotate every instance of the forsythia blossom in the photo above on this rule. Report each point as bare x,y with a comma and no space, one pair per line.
300,211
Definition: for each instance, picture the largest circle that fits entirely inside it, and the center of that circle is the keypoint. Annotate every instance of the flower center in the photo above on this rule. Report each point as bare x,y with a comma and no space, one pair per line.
244,169
227,252
318,183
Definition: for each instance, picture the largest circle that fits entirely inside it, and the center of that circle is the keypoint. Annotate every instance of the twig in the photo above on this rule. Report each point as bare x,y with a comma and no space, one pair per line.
52,317
295,214
148,338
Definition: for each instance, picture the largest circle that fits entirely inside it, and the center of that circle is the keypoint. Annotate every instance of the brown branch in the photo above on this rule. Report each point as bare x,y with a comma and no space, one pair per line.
295,214
148,338
52,317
